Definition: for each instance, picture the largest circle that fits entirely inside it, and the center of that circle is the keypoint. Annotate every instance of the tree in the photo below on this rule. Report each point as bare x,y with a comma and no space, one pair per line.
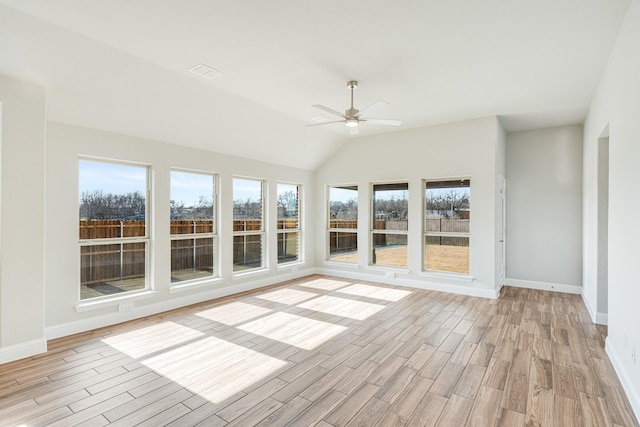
287,203
100,205
448,203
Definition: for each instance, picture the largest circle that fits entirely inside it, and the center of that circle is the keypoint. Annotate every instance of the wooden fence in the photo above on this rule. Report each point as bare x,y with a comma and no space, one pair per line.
115,262
118,262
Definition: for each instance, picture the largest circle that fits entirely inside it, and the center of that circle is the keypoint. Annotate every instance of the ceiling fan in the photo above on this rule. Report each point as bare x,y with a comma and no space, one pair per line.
352,117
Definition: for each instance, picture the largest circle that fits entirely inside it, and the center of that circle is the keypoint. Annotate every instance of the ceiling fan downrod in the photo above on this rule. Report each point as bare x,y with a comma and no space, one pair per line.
352,112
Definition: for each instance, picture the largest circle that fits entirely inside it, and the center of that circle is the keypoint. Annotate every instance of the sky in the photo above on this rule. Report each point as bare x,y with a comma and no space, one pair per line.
186,187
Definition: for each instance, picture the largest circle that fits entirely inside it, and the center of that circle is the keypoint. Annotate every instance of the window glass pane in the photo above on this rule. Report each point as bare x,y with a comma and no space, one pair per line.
389,249
447,213
447,253
192,199
288,210
447,199
390,206
288,247
111,269
247,252
112,200
247,205
343,246
192,259
343,207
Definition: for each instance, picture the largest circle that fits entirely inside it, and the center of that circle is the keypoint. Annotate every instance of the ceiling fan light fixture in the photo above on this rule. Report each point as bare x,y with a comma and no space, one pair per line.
351,122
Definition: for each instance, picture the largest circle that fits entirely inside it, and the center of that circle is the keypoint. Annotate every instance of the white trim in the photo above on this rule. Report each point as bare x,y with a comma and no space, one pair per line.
631,389
441,285
92,304
443,275
83,325
592,312
597,317
544,286
342,264
194,284
22,350
602,318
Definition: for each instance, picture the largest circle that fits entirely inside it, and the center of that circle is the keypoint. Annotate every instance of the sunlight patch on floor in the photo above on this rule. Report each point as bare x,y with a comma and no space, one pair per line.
214,368
151,339
287,296
233,313
324,284
376,292
344,307
293,330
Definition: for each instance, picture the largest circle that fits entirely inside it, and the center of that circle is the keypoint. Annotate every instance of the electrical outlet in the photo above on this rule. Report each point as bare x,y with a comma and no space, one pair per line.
127,306
633,354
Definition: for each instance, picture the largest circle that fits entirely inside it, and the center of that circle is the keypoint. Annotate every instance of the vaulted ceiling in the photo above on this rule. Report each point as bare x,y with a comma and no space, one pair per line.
124,66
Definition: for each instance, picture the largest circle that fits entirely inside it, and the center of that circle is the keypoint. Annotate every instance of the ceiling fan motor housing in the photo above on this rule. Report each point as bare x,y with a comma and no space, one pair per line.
351,112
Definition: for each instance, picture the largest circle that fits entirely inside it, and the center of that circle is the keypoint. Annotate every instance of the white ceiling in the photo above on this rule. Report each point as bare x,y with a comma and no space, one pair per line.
123,65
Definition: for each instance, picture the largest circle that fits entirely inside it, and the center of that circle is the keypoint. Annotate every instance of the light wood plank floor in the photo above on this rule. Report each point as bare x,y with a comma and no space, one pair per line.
330,352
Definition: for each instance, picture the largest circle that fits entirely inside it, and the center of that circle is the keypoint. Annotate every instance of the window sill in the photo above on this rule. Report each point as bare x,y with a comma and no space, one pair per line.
353,265
388,269
457,277
186,286
291,265
110,302
243,274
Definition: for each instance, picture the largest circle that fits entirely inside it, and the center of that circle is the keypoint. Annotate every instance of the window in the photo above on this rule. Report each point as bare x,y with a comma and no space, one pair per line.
288,223
343,223
193,226
113,233
446,225
389,224
248,224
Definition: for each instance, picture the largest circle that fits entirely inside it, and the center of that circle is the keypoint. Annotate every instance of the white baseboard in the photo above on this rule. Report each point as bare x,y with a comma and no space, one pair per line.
602,318
88,324
592,312
632,390
597,317
442,284
22,350
544,286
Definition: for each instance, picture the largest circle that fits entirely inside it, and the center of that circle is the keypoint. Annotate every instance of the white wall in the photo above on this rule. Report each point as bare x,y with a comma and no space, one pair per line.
22,172
544,208
616,105
464,149
66,143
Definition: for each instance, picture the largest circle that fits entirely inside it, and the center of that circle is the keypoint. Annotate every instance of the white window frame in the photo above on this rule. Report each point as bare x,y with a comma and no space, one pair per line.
298,229
195,236
262,232
426,233
373,231
96,301
339,230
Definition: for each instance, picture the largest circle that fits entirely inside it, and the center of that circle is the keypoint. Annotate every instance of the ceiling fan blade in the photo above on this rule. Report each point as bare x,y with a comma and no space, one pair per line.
373,107
328,110
325,123
354,130
387,122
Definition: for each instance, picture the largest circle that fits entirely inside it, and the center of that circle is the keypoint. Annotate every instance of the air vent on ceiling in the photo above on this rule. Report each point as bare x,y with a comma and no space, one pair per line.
206,71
